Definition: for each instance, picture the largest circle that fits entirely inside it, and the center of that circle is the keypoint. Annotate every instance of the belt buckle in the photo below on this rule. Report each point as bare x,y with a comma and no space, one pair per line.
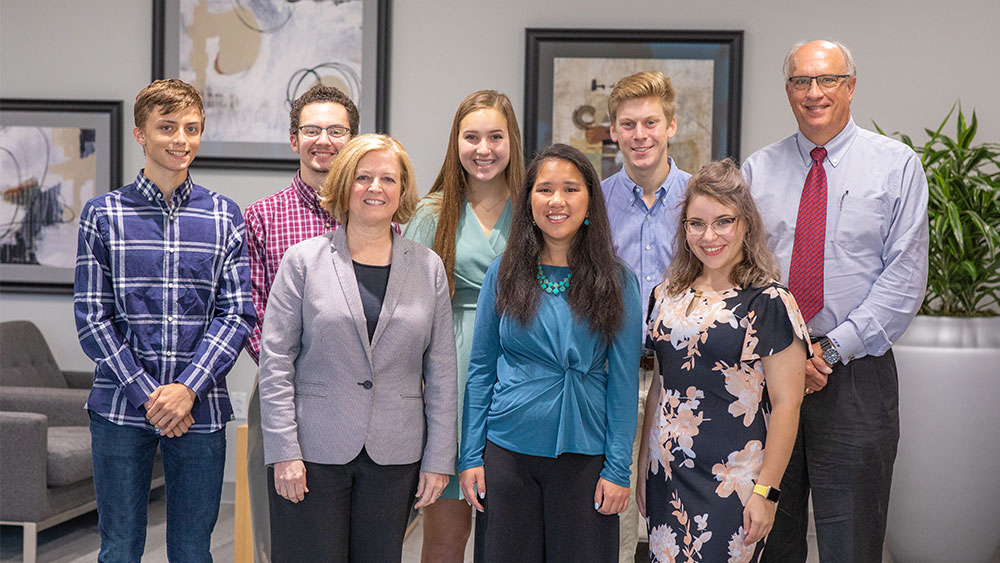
646,362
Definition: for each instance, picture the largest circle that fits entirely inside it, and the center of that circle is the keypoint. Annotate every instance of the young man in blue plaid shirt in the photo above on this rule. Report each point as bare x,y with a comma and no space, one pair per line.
162,305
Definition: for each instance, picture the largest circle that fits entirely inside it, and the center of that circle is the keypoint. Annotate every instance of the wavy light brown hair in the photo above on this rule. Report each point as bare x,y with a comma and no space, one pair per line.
335,196
448,192
596,292
647,84
722,181
169,95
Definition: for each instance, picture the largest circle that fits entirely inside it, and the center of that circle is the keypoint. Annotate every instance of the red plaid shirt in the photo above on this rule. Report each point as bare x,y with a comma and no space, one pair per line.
274,224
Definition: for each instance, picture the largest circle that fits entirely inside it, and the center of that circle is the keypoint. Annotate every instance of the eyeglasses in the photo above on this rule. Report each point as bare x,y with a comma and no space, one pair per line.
825,81
314,131
721,227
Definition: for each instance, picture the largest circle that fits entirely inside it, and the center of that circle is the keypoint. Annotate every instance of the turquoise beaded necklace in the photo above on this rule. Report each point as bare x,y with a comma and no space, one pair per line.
552,287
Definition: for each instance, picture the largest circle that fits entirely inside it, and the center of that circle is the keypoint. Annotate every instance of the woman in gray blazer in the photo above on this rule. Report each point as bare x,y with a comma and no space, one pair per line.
357,371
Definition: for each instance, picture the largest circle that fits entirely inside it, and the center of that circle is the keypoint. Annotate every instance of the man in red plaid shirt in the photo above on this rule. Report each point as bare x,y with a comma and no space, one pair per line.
323,119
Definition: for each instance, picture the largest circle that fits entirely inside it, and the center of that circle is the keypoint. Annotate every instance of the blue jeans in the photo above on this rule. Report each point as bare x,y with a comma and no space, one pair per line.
193,466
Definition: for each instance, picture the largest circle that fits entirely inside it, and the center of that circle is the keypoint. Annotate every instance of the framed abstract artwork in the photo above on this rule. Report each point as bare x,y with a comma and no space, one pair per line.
251,59
54,156
569,74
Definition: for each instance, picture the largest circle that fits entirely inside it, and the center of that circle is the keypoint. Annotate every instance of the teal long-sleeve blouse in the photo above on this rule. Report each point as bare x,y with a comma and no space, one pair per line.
553,386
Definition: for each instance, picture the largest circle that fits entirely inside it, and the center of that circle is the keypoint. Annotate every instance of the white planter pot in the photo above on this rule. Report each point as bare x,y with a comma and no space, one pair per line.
945,503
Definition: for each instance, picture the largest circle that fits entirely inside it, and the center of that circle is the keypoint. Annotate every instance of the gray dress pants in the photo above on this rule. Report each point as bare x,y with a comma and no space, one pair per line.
843,455
260,519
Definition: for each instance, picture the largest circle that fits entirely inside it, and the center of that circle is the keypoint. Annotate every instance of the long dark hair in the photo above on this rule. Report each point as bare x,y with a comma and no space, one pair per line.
449,190
596,291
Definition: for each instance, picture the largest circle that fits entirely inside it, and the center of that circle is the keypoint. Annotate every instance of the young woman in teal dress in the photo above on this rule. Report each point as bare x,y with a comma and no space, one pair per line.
722,414
549,408
465,218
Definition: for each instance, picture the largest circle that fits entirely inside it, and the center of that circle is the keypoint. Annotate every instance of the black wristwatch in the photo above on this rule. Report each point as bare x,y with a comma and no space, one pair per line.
830,354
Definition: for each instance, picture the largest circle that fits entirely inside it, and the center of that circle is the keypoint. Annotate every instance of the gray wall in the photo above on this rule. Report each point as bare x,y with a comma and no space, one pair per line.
915,58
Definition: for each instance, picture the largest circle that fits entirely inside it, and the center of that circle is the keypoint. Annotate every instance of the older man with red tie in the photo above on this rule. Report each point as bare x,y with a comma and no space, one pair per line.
846,213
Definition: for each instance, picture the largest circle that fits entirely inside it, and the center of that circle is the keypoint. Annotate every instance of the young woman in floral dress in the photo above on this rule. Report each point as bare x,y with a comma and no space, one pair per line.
722,414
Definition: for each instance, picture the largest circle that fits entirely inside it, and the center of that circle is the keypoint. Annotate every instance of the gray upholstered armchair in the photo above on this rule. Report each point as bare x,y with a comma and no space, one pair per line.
46,471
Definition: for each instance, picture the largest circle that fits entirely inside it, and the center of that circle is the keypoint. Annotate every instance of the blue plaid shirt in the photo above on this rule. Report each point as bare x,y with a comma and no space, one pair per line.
162,295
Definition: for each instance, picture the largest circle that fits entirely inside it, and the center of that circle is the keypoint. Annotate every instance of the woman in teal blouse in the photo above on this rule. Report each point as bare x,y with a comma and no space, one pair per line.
549,416
465,219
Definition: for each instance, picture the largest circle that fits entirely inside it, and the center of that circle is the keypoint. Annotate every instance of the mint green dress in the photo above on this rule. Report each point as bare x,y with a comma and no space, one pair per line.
474,251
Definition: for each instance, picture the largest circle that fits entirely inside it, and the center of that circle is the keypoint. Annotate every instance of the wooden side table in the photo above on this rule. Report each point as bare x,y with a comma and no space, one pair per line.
242,532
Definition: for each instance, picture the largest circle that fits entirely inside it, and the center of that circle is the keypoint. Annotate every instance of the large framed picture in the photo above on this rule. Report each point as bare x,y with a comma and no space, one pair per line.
569,74
251,59
54,156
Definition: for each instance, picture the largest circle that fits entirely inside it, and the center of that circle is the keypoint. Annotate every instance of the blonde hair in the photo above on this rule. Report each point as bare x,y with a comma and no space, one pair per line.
723,182
169,95
336,192
646,84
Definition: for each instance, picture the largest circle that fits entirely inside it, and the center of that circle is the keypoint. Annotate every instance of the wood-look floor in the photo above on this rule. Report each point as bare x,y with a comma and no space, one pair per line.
78,540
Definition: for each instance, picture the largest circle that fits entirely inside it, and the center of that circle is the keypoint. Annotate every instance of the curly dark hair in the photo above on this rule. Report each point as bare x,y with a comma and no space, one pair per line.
318,94
596,291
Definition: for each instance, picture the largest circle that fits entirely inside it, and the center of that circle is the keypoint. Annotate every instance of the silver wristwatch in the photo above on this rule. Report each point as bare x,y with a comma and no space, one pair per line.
830,354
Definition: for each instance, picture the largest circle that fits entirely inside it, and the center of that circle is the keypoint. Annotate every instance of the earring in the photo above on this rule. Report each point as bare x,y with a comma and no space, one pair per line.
586,220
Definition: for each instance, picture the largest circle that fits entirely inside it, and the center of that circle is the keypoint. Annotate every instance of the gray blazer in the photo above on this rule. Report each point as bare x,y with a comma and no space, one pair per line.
325,392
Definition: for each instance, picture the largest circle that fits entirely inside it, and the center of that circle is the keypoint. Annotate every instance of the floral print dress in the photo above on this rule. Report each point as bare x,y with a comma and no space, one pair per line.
706,446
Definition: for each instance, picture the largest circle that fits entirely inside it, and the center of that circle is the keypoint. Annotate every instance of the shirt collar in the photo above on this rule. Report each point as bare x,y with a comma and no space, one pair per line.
836,148
307,195
151,192
669,184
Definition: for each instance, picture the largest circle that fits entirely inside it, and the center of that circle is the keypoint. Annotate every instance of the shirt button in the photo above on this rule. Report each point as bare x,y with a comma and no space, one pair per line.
169,353
366,384
170,319
649,216
649,278
170,285
648,247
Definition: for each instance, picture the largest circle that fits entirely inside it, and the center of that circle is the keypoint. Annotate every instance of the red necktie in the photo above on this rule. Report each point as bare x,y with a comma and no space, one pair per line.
805,274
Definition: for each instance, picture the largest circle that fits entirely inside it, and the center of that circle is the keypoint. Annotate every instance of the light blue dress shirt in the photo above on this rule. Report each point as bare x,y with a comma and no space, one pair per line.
875,257
554,386
644,236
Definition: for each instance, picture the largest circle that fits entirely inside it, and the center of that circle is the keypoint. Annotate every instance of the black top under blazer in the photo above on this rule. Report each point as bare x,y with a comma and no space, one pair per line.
326,392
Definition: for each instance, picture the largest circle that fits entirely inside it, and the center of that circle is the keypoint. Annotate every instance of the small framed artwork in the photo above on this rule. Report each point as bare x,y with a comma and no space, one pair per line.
569,74
54,156
251,59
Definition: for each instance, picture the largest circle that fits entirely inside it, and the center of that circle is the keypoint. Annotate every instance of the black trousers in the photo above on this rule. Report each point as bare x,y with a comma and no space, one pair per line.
354,513
844,453
541,509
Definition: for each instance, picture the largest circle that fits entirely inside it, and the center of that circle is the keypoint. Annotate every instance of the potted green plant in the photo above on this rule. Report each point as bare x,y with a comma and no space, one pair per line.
945,503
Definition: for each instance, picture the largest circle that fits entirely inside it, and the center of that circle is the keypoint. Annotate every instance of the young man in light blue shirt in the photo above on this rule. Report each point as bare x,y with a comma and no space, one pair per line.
642,202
